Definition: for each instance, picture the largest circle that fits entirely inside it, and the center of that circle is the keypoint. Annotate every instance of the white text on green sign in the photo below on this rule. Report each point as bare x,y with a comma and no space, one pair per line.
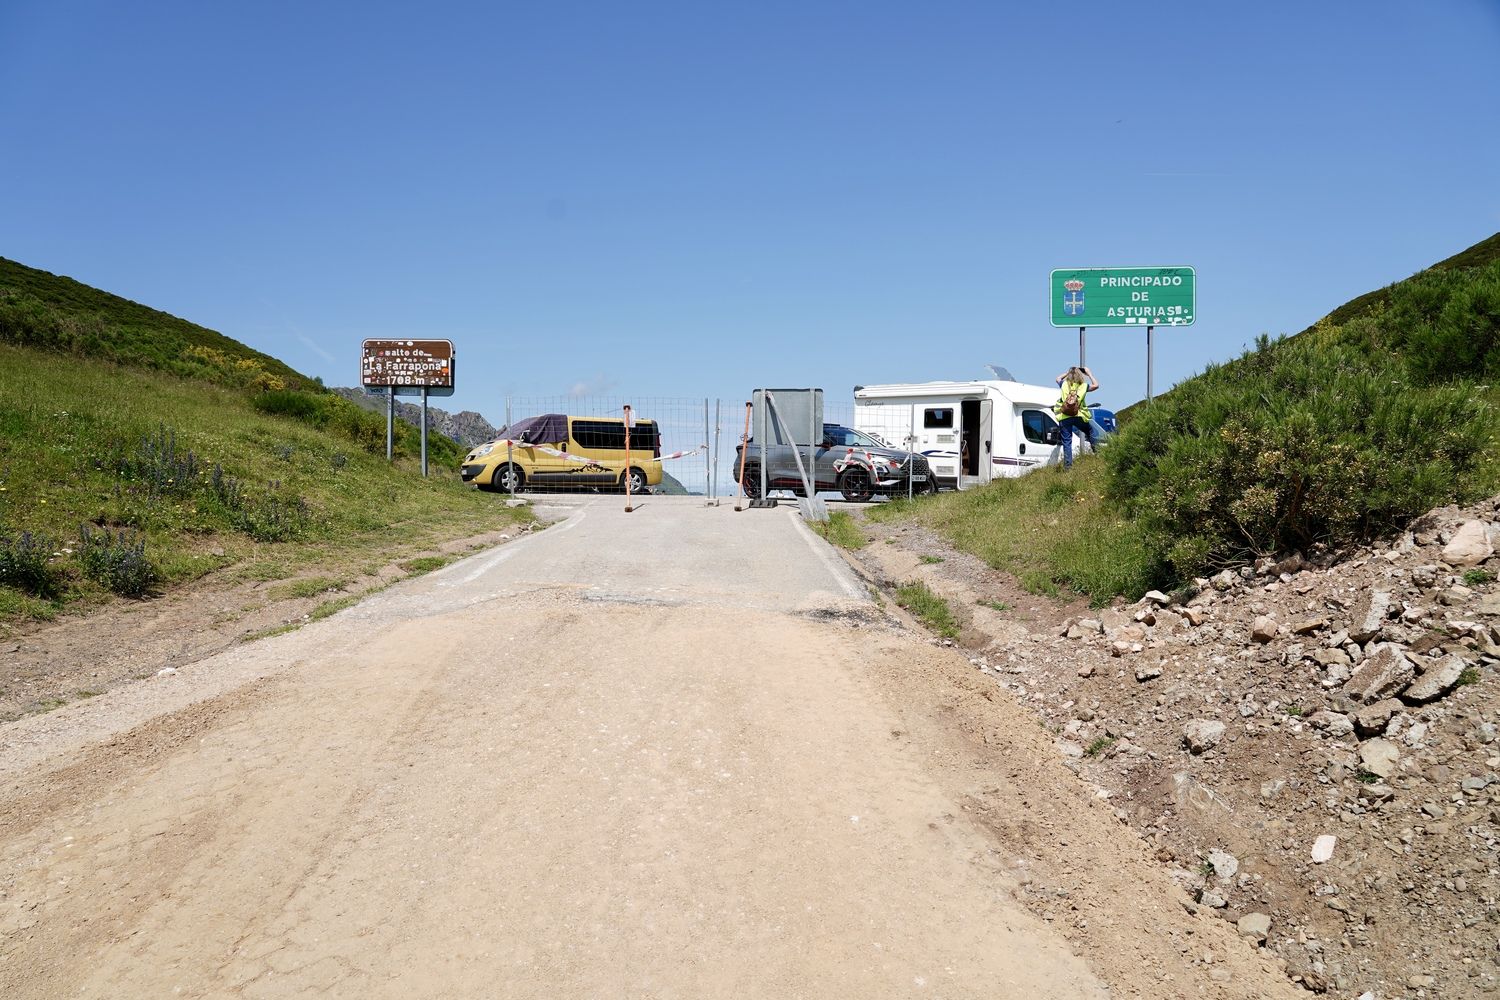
1124,296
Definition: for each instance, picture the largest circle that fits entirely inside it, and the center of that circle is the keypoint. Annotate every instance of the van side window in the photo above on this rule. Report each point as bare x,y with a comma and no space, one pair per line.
609,435
940,418
1035,424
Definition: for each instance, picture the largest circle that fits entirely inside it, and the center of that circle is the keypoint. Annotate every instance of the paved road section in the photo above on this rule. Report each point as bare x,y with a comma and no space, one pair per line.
631,755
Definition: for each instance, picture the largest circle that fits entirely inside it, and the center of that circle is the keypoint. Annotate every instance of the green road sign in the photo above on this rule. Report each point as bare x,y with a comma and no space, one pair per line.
1123,296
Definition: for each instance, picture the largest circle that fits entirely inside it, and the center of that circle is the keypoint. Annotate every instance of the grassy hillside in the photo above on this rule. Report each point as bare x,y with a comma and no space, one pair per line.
197,474
1379,412
47,312
50,312
139,451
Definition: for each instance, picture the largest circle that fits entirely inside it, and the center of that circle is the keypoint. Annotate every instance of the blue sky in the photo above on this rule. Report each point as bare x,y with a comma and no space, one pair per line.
697,199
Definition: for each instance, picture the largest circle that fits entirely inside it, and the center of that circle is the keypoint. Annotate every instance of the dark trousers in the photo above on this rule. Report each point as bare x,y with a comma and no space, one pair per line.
1069,425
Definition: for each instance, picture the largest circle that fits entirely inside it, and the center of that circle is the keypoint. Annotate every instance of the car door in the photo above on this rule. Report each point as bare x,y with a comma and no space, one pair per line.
833,448
1040,442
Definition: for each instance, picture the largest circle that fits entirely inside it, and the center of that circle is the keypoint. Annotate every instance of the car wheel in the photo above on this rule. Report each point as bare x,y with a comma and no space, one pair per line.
857,485
637,479
751,482
508,478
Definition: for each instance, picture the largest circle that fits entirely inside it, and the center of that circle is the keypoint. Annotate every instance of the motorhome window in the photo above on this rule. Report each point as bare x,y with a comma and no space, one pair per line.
941,418
610,435
1035,424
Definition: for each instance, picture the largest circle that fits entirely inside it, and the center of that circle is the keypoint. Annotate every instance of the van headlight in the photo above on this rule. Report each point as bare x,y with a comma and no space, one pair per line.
482,450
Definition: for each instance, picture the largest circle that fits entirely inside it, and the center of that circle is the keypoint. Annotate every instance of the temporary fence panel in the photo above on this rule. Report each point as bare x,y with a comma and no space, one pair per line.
684,426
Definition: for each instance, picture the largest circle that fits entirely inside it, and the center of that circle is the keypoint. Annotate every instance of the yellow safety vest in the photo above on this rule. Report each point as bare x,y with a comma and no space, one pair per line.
1082,388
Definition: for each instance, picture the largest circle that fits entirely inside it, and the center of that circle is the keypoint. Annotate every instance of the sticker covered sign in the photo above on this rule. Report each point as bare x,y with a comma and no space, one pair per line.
415,364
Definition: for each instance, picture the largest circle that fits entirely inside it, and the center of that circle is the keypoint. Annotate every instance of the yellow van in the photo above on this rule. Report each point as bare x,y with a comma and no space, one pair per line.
558,452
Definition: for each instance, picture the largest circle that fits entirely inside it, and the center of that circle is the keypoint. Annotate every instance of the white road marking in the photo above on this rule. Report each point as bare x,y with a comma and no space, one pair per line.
507,551
835,567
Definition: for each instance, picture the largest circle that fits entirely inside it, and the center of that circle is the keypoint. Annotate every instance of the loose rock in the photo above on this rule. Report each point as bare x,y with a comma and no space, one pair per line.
1436,682
1255,925
1202,734
1379,756
1386,671
1470,545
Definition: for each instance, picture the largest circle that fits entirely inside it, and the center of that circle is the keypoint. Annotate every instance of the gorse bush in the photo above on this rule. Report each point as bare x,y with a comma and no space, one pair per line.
1338,435
116,561
1445,323
25,563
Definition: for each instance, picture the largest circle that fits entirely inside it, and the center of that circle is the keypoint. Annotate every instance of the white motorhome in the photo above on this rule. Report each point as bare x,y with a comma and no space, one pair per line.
971,432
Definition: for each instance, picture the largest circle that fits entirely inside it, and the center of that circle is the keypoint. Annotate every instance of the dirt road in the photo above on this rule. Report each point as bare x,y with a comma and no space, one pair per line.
676,753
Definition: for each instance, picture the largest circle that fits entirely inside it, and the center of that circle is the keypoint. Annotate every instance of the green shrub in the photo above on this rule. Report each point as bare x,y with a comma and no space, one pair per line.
116,561
1298,441
308,407
25,563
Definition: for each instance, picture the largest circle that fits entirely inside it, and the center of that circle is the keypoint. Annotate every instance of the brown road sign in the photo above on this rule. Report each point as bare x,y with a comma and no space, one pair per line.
408,364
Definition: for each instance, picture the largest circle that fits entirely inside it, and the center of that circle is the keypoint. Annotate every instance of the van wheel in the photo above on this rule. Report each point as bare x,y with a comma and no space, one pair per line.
637,479
857,485
752,482
508,478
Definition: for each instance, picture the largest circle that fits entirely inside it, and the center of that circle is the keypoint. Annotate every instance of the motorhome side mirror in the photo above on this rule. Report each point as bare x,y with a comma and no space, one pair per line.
1053,436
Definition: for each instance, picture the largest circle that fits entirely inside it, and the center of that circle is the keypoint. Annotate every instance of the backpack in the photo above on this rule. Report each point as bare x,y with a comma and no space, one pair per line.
1070,405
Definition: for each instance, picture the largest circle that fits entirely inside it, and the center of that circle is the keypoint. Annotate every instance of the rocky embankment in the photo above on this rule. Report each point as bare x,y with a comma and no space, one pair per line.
1310,744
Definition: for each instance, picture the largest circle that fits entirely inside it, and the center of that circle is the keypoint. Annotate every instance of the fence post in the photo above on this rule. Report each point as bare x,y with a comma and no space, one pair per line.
713,474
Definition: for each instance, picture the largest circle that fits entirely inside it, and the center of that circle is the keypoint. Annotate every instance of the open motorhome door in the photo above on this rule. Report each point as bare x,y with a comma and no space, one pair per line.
987,439
976,441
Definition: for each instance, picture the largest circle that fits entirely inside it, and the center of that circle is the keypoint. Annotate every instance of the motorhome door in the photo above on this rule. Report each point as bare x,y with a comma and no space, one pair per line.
976,441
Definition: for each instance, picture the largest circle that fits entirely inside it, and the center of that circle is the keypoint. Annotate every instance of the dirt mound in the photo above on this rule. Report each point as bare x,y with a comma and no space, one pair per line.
1309,745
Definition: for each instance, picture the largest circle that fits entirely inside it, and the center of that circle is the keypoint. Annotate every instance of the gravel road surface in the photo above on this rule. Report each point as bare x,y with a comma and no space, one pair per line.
654,754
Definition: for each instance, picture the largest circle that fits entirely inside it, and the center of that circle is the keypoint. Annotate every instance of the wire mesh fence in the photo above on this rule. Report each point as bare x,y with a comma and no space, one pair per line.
685,431
704,430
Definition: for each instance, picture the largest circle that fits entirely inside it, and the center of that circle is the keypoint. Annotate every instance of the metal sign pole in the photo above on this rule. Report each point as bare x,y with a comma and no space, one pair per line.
812,456
1148,362
390,426
764,397
424,432
510,454
1082,361
708,476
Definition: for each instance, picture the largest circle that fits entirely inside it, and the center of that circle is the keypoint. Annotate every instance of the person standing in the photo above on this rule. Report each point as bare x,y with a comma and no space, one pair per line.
1072,408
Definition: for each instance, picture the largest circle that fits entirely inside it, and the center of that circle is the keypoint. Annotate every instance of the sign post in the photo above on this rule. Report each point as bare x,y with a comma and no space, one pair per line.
407,368
1124,297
